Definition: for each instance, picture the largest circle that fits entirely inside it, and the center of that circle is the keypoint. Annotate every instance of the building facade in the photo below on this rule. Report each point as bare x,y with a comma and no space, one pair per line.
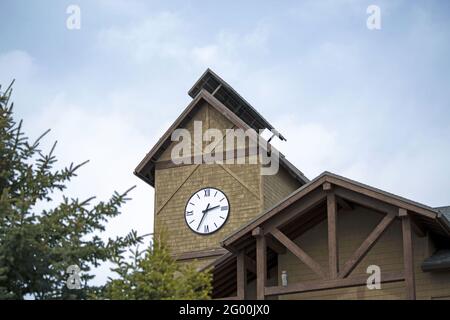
282,236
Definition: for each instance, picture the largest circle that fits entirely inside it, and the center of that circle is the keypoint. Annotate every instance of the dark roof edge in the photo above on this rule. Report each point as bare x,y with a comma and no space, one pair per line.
439,261
225,85
443,221
328,176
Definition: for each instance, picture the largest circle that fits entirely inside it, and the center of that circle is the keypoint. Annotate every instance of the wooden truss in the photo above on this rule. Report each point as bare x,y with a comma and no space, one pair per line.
332,277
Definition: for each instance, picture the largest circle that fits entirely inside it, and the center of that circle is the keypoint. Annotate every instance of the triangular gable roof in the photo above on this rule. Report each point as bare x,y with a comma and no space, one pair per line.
146,168
431,216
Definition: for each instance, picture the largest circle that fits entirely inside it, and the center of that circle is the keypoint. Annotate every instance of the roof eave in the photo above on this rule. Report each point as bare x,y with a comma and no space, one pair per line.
230,241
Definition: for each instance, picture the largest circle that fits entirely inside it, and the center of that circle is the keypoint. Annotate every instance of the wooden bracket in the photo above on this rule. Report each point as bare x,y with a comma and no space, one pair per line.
402,212
327,186
257,232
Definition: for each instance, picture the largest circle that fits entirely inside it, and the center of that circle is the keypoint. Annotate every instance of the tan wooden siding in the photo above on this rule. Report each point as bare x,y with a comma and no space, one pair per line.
277,187
174,186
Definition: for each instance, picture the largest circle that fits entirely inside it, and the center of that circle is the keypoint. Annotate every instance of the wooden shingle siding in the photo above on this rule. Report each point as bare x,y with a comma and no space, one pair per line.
277,187
174,186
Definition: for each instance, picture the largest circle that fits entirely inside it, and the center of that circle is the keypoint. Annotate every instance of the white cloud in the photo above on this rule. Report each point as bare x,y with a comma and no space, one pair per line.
310,146
207,54
159,36
413,170
168,36
113,144
16,63
231,52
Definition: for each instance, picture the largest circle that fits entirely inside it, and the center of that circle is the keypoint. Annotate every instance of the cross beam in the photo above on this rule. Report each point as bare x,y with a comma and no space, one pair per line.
297,251
367,244
330,284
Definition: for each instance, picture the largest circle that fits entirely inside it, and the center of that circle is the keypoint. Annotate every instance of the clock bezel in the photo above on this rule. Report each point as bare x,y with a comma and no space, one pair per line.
223,224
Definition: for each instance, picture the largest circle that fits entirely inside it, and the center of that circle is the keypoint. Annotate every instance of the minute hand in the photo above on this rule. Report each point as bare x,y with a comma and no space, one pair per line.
203,217
208,209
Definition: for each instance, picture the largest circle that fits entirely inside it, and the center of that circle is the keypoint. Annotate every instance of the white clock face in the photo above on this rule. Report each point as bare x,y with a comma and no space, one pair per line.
207,211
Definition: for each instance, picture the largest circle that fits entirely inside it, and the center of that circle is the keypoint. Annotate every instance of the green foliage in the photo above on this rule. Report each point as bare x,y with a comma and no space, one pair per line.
37,245
155,275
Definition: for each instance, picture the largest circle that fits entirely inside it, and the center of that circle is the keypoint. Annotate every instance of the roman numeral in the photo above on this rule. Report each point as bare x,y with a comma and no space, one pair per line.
205,228
207,191
224,208
189,213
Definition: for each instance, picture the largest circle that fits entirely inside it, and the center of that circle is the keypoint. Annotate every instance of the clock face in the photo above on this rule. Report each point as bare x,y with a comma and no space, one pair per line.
207,210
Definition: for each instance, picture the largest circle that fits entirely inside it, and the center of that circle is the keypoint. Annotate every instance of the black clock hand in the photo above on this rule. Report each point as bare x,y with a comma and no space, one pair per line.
203,217
210,209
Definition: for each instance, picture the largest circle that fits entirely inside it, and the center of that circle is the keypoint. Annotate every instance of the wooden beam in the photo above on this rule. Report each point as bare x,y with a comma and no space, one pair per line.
216,89
333,258
250,264
200,254
308,202
275,245
418,228
414,223
326,186
367,244
297,251
257,232
344,204
299,228
261,266
330,284
408,258
365,201
241,275
383,196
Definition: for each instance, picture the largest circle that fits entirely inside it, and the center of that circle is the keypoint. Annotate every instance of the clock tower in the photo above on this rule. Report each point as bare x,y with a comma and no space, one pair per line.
197,202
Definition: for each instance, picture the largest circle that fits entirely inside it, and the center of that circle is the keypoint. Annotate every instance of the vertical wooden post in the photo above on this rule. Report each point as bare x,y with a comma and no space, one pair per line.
241,276
261,263
333,256
408,255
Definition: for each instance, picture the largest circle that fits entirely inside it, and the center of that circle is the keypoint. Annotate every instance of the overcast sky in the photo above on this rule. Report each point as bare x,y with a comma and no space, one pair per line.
372,105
